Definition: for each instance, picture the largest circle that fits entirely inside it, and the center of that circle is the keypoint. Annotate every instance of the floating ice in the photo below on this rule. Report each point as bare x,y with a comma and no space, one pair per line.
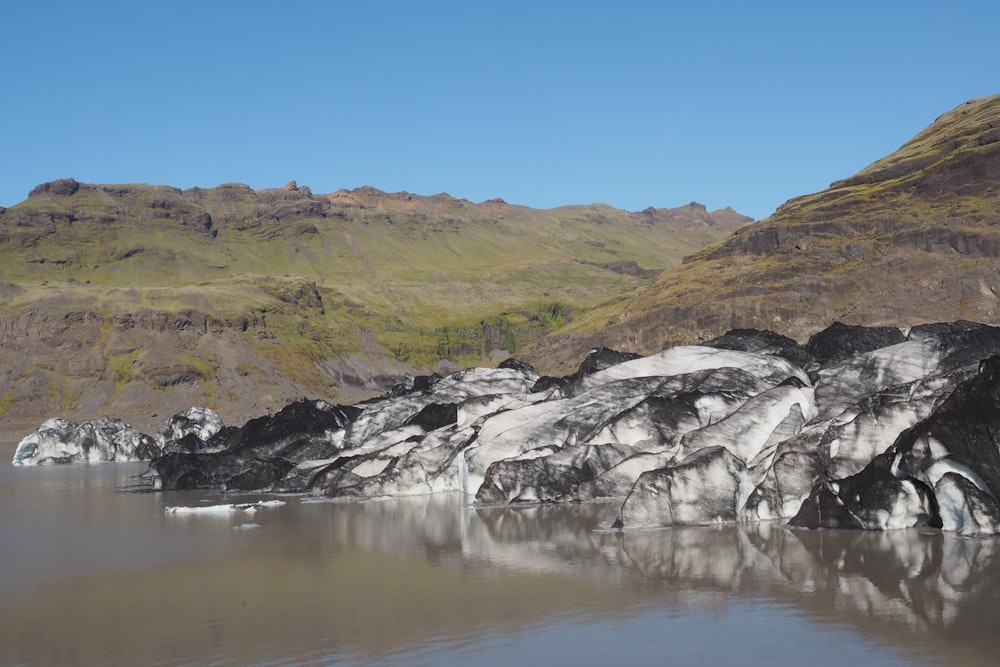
741,429
103,439
223,510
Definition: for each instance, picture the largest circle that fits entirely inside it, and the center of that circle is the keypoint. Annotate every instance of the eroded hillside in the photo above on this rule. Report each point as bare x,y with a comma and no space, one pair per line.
913,238
138,299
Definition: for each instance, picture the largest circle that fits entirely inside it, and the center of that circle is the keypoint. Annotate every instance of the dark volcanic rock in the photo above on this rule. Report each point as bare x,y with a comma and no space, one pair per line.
63,187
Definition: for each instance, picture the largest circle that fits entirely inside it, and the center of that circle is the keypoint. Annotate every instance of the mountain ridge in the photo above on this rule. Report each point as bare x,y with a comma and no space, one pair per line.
136,299
912,238
336,295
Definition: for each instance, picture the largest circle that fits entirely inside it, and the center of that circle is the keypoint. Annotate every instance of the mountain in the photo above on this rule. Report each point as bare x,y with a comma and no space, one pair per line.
140,300
913,238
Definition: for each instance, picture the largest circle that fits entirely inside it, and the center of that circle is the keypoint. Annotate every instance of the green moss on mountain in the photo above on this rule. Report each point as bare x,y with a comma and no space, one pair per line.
914,237
291,292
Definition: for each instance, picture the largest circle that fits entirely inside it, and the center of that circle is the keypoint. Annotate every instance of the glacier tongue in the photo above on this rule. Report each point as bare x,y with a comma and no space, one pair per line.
866,429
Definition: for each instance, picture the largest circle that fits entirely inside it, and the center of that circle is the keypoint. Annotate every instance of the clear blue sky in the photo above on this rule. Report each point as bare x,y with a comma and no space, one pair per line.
634,104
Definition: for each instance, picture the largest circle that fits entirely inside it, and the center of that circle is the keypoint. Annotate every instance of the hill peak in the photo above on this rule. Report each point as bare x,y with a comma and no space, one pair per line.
948,169
953,136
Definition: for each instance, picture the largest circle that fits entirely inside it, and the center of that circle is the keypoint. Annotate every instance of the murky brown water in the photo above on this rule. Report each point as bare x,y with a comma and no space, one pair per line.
93,576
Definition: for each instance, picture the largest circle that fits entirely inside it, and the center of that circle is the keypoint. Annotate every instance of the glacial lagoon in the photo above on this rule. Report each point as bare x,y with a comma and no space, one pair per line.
91,573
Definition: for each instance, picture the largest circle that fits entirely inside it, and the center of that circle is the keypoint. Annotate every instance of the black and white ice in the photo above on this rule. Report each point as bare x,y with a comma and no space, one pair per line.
858,428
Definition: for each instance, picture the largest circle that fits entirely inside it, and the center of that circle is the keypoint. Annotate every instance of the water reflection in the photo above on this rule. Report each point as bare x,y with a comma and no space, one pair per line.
915,582
430,580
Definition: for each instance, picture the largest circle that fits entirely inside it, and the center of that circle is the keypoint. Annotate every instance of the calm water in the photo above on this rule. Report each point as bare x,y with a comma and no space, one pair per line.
90,575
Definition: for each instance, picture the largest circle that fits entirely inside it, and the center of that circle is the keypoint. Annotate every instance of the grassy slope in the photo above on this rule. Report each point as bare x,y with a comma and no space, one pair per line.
298,280
914,237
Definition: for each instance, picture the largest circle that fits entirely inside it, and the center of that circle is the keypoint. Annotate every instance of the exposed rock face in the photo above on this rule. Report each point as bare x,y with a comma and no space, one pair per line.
63,187
142,364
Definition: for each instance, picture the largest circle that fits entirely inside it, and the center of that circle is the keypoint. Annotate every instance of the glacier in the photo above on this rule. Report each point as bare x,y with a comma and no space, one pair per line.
859,428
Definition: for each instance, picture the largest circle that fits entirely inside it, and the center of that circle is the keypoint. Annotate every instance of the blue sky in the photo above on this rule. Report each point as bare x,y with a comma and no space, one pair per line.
634,104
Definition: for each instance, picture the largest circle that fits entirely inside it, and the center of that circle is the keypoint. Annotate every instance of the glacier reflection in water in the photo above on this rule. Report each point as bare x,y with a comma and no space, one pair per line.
91,575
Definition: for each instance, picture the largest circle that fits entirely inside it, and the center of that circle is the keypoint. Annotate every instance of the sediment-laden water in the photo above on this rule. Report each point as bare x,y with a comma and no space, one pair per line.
91,574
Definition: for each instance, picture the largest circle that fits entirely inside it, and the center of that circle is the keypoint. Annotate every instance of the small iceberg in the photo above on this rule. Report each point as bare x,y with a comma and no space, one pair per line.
247,526
223,510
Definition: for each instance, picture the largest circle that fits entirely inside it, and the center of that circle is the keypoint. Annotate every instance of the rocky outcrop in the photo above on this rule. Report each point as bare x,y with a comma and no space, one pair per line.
141,364
294,210
63,187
